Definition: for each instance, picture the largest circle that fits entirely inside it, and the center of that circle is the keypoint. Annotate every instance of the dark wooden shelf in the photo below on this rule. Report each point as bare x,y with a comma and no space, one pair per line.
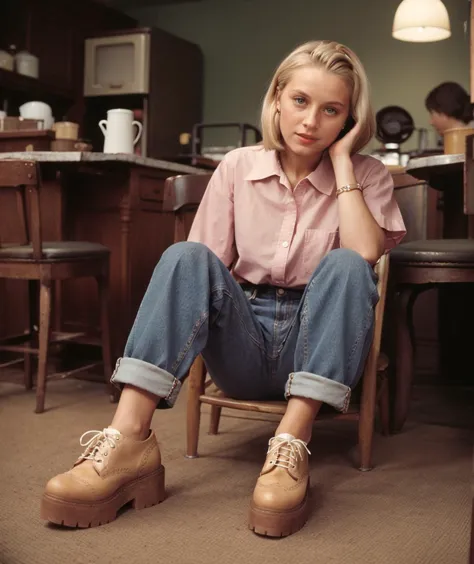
18,83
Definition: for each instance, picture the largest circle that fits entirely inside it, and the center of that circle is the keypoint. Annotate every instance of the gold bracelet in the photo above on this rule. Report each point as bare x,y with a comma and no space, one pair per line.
348,188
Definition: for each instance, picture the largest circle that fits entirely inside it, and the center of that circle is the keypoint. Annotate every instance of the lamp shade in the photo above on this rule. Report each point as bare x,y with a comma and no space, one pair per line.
421,21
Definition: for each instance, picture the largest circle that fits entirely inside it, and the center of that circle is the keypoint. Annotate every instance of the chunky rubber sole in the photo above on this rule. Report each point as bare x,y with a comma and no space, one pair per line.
278,523
142,492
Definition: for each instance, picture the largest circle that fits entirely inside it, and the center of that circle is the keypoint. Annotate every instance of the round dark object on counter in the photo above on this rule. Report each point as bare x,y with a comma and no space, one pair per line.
394,125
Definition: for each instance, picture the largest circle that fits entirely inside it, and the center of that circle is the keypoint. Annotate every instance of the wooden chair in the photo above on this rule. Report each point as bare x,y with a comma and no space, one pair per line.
43,263
183,194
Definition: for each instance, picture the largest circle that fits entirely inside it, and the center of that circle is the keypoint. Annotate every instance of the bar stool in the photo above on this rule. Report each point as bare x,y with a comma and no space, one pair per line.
42,263
418,266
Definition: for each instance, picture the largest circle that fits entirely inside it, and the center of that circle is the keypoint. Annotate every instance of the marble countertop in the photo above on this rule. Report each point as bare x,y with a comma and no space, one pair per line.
435,167
86,157
434,161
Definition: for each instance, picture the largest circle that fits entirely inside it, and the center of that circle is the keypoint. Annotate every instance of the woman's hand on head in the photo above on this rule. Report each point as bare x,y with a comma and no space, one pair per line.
343,147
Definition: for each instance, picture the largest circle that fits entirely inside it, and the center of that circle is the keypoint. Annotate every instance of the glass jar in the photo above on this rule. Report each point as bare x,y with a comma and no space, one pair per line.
27,64
7,61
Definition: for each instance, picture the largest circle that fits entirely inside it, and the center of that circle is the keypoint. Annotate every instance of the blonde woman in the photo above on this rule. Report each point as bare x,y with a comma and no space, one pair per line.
275,288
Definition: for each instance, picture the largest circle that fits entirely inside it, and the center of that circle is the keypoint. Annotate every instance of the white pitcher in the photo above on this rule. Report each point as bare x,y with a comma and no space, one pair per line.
118,131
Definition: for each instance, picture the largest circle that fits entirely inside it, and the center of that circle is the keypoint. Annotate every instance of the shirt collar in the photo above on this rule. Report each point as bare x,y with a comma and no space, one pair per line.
322,177
268,164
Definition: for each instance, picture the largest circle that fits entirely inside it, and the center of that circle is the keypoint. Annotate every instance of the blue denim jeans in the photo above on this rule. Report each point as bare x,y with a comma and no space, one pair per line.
258,342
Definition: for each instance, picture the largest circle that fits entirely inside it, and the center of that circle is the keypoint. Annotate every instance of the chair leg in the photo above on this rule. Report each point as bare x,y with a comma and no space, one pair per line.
367,412
44,338
103,287
57,300
33,293
384,404
404,355
28,371
197,375
215,418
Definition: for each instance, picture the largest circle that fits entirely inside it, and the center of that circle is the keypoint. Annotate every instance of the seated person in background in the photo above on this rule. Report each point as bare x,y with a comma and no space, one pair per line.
449,106
300,221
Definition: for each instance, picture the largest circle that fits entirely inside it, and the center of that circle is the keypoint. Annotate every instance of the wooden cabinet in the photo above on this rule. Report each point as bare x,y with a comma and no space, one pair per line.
51,38
54,31
120,206
168,77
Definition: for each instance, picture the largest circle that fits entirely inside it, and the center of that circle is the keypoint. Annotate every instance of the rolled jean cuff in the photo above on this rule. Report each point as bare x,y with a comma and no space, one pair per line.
313,386
147,377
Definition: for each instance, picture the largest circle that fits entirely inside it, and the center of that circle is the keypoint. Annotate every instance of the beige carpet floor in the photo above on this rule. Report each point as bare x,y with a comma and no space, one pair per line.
413,508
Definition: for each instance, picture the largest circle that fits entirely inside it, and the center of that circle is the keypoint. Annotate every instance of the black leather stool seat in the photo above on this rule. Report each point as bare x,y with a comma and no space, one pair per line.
434,251
57,250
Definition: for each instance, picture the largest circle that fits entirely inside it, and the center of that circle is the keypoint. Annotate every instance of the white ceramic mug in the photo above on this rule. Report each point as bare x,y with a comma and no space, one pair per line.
118,131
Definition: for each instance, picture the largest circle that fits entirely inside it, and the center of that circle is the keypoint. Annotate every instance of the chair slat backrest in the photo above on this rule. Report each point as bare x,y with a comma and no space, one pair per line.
381,269
183,194
23,177
185,190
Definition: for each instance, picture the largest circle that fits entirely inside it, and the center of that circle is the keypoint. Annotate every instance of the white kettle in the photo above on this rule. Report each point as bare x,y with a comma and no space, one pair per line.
118,131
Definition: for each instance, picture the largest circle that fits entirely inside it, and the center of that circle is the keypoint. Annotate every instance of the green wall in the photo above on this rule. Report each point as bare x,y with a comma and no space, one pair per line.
244,40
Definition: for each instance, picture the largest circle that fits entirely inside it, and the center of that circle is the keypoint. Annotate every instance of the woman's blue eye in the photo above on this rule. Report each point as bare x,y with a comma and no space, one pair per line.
331,111
300,100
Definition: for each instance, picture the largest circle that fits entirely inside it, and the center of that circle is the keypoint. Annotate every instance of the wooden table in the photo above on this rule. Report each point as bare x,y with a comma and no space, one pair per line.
115,200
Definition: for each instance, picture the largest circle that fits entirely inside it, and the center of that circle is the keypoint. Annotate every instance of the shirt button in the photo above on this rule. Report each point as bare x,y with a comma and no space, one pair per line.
284,244
280,291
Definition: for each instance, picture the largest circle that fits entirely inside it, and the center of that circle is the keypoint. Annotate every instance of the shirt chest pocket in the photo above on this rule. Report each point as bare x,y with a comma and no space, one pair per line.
317,244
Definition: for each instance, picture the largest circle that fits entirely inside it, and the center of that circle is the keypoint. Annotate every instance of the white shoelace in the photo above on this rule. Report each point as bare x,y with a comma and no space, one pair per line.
286,452
97,446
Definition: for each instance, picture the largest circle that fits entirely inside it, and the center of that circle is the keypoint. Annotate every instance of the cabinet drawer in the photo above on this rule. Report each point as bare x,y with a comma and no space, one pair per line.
152,189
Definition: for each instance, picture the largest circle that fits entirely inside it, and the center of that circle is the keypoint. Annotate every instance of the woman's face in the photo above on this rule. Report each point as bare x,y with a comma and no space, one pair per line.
441,122
313,107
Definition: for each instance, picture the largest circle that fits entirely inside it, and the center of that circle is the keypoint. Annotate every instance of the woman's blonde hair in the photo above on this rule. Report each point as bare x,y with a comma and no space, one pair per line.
332,57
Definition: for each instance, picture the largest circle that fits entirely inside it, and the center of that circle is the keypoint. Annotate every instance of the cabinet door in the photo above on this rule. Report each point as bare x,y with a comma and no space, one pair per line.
14,23
54,31
51,38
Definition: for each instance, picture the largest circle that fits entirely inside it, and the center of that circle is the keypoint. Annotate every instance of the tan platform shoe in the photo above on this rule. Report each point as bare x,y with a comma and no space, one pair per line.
112,471
280,500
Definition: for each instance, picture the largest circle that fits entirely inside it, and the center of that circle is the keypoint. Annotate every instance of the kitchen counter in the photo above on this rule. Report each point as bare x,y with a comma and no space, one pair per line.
113,199
110,158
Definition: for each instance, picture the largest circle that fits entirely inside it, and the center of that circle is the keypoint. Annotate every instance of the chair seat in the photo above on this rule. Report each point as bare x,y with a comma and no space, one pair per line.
214,396
434,251
55,251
